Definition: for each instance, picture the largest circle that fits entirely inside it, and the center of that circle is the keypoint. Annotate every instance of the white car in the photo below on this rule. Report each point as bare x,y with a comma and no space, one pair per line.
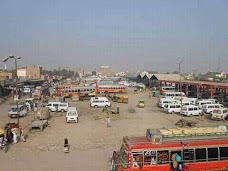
72,115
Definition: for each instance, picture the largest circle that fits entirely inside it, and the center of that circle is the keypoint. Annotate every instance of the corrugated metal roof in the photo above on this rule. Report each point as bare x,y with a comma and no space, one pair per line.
173,77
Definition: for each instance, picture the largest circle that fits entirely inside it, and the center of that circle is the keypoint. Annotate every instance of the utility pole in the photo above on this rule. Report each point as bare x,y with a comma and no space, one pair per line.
180,86
16,97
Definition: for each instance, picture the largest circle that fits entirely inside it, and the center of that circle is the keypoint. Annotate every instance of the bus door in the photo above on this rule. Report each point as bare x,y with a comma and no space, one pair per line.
176,160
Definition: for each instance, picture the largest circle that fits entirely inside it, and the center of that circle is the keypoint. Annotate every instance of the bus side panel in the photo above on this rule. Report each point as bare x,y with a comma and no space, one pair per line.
150,168
207,166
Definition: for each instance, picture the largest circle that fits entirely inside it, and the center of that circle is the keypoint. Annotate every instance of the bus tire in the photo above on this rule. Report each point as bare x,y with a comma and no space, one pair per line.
96,106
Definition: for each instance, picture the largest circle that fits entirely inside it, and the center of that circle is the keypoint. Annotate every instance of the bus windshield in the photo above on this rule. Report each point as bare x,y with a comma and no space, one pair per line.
123,156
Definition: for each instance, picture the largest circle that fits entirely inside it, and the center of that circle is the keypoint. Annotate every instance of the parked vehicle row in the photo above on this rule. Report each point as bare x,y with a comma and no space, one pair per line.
193,107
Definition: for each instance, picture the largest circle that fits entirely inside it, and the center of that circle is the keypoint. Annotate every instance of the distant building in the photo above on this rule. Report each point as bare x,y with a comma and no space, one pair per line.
80,71
104,71
120,74
152,80
30,72
221,75
5,75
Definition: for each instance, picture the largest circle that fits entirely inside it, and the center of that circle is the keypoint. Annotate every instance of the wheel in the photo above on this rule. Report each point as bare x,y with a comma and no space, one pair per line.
96,106
172,112
62,110
106,106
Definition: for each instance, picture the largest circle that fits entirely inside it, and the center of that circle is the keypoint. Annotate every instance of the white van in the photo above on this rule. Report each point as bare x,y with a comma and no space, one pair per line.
208,108
163,101
191,110
219,114
26,89
200,103
172,108
58,106
72,115
22,111
99,102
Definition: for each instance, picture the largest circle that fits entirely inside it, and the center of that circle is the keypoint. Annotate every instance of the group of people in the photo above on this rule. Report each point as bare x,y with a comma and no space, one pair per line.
13,135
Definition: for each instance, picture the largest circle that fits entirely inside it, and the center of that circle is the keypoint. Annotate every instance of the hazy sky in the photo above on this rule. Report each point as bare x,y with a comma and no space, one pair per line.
124,34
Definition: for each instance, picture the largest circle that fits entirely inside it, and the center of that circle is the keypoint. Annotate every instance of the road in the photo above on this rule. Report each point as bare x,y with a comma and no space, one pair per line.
90,140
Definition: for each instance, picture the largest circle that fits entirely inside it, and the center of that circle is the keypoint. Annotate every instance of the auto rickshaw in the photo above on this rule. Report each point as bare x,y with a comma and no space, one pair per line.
141,103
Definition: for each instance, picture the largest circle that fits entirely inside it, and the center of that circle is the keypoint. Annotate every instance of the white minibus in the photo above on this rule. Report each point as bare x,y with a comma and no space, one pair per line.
99,102
163,101
172,108
58,106
219,114
191,110
174,94
208,108
200,103
21,110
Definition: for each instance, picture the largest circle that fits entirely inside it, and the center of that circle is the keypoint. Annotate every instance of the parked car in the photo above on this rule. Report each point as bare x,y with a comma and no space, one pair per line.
21,111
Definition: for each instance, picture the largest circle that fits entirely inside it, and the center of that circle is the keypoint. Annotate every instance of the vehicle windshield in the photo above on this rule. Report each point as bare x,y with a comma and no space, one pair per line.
217,111
71,113
123,156
13,109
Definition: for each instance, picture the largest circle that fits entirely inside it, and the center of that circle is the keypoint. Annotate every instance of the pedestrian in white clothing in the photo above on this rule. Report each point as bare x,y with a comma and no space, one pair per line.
108,122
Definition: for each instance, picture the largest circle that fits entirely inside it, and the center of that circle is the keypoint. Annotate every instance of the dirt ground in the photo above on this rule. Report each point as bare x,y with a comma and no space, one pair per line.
91,142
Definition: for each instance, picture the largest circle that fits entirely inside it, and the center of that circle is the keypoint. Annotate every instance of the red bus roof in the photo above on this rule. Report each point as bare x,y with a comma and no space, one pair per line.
171,138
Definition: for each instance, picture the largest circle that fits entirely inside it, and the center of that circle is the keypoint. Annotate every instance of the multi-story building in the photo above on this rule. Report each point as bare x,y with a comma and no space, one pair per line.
30,72
5,75
104,71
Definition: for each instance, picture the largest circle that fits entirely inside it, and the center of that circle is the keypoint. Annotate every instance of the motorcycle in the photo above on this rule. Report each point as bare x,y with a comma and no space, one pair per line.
4,145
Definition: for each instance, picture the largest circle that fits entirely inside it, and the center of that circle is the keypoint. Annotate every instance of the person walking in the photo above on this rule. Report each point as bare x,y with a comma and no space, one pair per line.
22,135
202,115
108,122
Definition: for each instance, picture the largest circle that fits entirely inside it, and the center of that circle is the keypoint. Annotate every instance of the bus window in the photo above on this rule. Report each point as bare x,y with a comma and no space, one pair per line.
188,155
150,157
163,157
200,154
137,162
212,154
223,153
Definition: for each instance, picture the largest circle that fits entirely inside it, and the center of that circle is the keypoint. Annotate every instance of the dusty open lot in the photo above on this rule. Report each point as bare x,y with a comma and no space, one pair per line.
90,140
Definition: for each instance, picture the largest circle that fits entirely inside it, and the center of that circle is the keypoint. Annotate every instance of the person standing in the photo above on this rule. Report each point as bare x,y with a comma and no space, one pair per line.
108,122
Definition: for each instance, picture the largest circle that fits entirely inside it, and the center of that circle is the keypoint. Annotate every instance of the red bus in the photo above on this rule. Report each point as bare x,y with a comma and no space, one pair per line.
74,91
186,149
111,88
